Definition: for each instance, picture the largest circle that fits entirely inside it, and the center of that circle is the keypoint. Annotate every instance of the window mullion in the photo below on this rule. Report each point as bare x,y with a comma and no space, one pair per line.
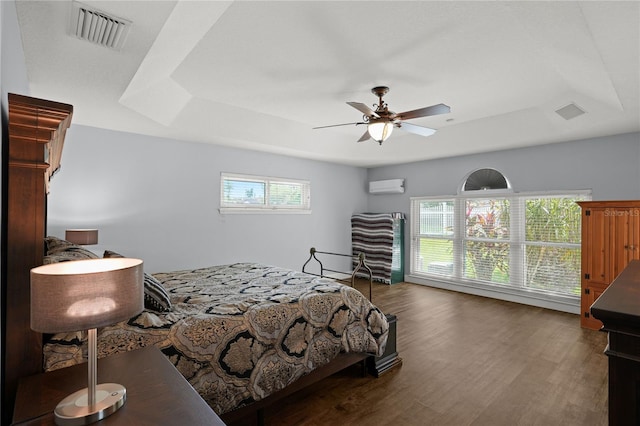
459,206
516,252
414,240
267,193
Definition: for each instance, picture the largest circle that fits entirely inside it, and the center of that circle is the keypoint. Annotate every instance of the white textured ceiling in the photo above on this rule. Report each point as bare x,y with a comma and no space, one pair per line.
261,74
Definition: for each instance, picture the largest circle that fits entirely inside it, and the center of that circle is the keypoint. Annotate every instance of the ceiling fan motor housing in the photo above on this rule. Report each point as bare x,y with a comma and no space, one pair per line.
380,91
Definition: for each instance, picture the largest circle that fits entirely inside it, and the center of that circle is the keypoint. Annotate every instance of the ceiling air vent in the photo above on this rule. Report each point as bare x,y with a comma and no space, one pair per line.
98,27
570,111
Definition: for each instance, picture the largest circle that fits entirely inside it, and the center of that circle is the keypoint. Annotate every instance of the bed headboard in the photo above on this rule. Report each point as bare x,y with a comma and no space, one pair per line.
31,155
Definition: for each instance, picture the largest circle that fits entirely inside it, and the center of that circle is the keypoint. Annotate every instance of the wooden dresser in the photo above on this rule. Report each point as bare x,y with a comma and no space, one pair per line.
610,240
619,310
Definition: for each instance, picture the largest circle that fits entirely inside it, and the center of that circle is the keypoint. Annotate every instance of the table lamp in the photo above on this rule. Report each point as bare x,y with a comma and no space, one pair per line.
84,295
83,237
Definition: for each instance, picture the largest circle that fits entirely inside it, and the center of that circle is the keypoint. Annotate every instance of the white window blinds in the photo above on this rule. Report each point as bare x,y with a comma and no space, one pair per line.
521,241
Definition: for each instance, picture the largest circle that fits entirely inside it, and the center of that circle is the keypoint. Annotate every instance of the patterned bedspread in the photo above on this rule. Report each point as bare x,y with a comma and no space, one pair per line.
241,332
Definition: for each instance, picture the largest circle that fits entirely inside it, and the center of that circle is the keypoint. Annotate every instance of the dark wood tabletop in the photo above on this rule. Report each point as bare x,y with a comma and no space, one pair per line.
619,310
157,394
619,305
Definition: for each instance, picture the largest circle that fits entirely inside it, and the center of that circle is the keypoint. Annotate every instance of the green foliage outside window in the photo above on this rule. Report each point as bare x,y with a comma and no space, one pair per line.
487,223
551,224
530,242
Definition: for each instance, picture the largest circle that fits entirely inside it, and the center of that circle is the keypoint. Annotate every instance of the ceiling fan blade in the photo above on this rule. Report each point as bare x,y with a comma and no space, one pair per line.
364,109
418,130
424,112
365,137
337,125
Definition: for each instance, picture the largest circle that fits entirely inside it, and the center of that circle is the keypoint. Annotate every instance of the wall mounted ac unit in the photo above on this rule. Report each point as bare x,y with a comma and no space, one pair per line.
390,186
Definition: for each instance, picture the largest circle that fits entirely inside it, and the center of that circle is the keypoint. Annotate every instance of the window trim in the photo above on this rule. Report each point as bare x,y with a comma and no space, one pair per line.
266,208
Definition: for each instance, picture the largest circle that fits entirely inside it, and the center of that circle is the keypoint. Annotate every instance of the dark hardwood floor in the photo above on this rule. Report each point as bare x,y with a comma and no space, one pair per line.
467,360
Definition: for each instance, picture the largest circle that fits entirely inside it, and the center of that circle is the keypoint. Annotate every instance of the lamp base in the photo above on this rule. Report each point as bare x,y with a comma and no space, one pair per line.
75,409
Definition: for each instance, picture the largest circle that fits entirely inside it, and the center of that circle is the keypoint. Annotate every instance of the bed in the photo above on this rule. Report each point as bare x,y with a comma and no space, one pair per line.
242,334
239,332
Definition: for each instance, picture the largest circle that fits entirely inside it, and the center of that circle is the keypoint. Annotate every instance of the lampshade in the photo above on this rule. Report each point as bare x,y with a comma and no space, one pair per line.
380,130
83,237
84,294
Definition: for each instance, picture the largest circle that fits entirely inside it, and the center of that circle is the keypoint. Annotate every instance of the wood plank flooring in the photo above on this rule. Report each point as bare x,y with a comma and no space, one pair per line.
467,360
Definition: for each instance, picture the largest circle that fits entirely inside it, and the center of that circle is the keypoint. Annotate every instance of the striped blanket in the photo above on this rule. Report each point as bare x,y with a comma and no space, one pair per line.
372,234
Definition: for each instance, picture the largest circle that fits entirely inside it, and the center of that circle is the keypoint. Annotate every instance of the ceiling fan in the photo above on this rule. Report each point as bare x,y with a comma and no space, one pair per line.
380,123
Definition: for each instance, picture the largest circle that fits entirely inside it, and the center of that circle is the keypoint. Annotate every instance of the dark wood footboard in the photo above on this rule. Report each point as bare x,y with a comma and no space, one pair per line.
254,410
389,359
374,365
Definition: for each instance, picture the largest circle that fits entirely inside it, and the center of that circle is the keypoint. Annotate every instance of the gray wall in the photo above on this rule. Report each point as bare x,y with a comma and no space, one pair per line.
13,68
609,166
158,199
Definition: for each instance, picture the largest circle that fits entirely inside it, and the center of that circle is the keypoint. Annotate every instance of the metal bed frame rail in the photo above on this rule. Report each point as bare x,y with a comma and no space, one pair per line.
360,264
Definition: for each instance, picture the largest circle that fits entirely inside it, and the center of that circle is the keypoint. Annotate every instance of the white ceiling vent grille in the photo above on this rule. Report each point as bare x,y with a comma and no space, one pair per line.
98,27
570,111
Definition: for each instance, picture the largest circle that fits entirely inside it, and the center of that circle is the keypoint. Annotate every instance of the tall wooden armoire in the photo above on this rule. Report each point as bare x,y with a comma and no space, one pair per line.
610,240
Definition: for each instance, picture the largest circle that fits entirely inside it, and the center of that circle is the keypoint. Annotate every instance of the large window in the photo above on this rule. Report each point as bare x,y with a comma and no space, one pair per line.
529,242
247,194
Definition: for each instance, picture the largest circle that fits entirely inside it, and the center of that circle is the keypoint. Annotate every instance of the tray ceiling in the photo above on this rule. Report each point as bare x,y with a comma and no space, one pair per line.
260,74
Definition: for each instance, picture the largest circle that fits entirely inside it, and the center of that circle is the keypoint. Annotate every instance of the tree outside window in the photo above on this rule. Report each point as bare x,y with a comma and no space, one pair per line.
522,241
487,229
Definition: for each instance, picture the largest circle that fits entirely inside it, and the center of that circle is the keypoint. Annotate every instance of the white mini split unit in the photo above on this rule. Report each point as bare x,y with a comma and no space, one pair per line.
391,186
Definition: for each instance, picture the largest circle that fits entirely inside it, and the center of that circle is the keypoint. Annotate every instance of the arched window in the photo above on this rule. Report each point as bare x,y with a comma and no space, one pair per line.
485,179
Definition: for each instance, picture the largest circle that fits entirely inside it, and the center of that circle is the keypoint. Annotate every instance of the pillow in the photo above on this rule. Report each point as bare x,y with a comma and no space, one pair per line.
109,253
156,297
52,244
57,250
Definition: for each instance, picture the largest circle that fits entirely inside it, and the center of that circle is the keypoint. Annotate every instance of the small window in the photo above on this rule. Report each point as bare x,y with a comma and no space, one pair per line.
263,194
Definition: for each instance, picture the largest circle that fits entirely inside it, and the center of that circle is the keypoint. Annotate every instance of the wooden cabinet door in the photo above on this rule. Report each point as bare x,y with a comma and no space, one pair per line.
596,229
625,237
596,270
633,250
610,240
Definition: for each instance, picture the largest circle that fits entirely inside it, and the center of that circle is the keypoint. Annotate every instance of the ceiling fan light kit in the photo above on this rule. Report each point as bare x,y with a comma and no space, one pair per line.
380,129
380,123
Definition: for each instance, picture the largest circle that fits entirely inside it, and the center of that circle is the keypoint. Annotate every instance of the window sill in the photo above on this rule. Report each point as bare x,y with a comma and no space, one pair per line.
561,303
231,210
